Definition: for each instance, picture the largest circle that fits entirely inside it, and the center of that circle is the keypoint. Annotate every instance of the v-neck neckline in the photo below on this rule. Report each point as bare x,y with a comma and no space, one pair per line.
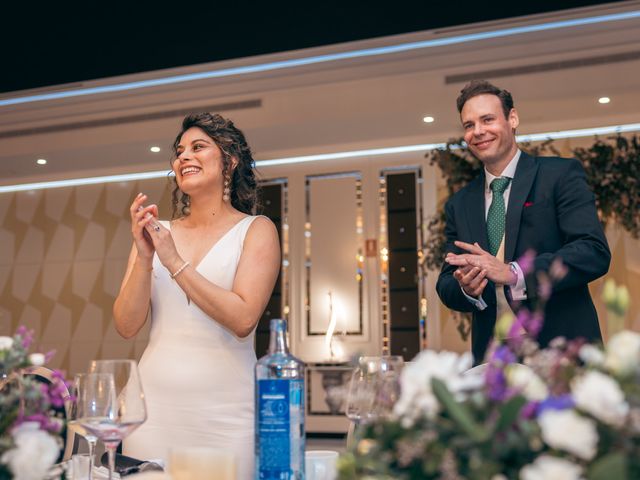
196,266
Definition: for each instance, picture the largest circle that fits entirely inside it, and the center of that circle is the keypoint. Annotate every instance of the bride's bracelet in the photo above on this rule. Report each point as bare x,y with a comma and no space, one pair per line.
179,271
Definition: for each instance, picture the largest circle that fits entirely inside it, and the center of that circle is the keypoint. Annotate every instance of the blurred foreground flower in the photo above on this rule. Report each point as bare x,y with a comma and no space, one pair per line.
30,427
569,411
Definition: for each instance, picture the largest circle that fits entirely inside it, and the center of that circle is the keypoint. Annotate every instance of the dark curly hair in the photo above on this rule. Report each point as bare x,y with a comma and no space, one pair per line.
482,87
232,143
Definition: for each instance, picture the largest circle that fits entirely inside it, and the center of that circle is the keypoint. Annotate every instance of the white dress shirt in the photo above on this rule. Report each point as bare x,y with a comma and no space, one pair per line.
518,291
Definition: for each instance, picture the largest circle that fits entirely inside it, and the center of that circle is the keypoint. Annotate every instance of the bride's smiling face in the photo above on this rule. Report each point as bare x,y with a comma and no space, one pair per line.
198,161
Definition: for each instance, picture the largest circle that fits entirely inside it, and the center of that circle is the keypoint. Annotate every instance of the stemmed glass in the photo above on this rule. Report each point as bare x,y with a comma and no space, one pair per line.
388,385
362,390
128,410
93,394
373,390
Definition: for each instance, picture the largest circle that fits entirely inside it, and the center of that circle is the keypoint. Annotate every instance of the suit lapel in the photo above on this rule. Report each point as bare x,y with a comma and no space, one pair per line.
475,212
522,182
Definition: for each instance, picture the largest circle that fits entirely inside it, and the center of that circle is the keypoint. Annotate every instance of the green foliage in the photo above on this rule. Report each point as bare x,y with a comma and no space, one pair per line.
610,466
613,172
458,412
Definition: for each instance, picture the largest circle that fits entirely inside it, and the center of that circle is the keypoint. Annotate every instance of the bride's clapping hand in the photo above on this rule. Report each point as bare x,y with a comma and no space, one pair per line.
142,219
164,245
150,235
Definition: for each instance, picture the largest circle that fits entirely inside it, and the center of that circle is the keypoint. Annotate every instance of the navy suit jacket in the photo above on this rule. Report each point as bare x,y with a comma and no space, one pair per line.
552,211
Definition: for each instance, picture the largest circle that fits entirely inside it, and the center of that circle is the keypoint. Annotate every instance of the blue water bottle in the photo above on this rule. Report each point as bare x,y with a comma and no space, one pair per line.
279,423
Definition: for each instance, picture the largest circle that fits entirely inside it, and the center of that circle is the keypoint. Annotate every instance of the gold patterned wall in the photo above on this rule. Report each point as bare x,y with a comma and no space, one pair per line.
63,253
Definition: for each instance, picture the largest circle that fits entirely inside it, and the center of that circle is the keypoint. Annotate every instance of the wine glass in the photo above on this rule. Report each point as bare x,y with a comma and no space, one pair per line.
373,390
91,399
388,385
362,390
128,411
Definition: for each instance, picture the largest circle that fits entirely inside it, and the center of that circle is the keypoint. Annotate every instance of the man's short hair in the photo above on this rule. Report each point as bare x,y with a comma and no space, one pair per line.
482,87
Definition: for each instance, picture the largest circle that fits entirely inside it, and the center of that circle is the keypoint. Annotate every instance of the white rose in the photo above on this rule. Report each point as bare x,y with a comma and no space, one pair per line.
6,343
591,355
623,353
417,398
601,396
551,468
526,381
36,359
568,431
34,453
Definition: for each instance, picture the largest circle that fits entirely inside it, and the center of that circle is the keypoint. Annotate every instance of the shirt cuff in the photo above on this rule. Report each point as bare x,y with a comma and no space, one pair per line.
479,303
519,290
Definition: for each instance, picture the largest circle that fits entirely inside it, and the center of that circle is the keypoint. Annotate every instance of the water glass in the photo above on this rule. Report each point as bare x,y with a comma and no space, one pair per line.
81,464
374,387
373,390
320,465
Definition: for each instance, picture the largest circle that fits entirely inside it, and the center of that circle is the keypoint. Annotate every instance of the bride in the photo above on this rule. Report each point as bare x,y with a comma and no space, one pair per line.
206,276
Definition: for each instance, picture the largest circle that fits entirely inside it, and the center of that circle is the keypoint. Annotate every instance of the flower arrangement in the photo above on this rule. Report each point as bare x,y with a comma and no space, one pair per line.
568,411
30,427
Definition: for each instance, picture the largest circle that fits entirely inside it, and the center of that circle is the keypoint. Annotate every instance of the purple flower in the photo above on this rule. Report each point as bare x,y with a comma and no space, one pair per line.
544,287
534,324
526,262
496,384
49,355
56,391
558,269
514,337
43,420
529,410
503,355
25,335
560,402
495,378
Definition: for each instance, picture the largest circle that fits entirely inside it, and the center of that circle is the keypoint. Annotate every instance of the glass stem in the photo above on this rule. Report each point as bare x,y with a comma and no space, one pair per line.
111,449
92,451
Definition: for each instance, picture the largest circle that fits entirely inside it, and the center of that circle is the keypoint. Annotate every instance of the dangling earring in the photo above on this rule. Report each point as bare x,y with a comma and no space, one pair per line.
226,194
186,205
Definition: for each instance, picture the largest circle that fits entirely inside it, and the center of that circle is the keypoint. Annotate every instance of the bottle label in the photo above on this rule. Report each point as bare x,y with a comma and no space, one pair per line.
279,419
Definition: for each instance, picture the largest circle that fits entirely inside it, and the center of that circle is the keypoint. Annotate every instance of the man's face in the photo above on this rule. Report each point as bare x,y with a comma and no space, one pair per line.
490,136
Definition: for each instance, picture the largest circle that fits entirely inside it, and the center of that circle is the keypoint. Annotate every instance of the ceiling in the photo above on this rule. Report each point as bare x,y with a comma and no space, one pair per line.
371,101
65,42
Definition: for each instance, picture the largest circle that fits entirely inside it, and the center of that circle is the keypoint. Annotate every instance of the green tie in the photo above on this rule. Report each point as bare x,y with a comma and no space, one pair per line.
496,215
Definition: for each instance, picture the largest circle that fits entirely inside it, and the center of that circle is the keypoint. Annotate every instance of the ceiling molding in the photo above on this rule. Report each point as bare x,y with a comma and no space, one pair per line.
142,117
543,67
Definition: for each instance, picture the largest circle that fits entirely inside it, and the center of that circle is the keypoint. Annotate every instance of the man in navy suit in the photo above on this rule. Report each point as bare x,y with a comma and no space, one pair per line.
518,203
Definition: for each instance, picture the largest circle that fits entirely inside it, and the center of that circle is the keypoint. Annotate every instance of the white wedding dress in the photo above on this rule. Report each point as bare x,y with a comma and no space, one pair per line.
197,376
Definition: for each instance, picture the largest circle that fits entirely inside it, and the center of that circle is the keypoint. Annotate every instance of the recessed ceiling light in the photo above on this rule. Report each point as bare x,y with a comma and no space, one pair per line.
41,161
534,137
428,119
604,100
155,149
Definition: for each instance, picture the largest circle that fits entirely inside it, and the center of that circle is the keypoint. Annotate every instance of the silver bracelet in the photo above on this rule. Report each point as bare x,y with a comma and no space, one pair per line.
177,272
